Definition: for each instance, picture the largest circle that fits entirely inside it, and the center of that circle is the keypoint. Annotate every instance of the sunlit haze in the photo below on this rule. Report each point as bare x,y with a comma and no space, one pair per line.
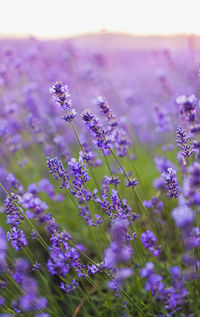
59,18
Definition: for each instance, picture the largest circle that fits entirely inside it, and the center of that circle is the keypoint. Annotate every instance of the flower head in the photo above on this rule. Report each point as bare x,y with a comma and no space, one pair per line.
61,95
171,182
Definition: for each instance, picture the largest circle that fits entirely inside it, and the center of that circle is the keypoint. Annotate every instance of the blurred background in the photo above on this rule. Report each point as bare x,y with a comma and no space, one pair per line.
114,48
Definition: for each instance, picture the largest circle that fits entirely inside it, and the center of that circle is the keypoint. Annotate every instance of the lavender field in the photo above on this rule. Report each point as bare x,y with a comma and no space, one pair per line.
100,176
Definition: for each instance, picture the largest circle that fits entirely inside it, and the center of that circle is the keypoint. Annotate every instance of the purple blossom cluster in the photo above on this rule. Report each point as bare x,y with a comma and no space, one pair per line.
155,204
63,257
149,240
154,281
14,215
3,247
14,219
118,209
183,216
115,130
61,95
115,208
188,107
17,237
191,184
30,301
171,182
182,139
101,138
58,171
172,296
162,120
118,252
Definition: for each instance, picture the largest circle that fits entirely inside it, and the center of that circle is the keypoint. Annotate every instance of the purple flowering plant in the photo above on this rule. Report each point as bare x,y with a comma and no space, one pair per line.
100,195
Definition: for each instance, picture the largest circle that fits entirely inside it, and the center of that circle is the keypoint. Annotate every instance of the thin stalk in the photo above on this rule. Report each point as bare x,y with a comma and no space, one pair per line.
90,168
134,246
76,134
143,207
104,271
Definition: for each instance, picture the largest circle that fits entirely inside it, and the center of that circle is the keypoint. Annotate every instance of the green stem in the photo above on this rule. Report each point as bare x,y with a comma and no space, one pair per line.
104,271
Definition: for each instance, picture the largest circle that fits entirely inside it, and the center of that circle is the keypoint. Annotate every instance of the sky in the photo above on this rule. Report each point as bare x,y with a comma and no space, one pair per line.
64,18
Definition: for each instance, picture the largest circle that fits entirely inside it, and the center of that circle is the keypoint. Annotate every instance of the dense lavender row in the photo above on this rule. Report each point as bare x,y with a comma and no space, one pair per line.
100,194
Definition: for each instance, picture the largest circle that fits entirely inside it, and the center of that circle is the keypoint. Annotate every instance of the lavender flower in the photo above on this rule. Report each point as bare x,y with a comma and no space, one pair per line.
89,156
187,106
46,187
30,301
78,170
36,267
154,281
2,301
3,247
194,239
116,133
162,120
121,142
92,269
98,132
21,267
117,253
106,110
18,239
14,216
182,142
15,183
195,129
70,116
171,182
51,225
2,284
85,213
35,207
33,189
63,257
34,235
183,216
154,203
174,295
149,241
162,164
191,184
58,171
69,288
79,175
131,182
61,95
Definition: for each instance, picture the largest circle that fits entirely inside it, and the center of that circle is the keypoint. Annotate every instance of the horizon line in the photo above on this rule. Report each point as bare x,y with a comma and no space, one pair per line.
101,32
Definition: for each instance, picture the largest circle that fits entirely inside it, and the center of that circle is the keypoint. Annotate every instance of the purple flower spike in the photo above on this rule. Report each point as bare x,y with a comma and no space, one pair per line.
58,171
154,281
18,239
183,216
36,267
182,142
187,106
61,95
171,182
149,241
131,182
95,127
70,117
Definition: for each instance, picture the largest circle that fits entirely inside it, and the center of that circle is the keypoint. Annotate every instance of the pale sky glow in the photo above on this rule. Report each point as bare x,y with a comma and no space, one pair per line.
60,18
